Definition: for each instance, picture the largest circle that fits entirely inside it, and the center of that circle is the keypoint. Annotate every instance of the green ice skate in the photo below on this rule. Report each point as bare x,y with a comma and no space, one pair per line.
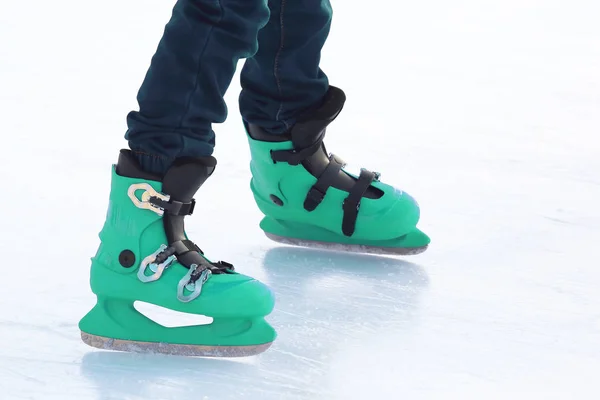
309,199
145,255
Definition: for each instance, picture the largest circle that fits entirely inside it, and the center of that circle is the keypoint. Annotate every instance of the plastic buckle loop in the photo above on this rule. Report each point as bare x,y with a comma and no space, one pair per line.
144,201
186,284
157,269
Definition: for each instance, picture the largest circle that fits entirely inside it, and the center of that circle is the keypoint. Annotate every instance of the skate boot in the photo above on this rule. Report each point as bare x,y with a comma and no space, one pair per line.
145,255
309,199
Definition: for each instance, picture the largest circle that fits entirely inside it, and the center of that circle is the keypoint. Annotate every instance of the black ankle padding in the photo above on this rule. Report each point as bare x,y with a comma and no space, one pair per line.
310,126
174,226
331,105
128,166
181,181
185,176
315,119
258,133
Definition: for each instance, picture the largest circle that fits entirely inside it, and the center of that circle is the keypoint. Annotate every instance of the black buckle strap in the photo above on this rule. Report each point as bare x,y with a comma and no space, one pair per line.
351,204
178,248
182,247
173,207
223,265
314,197
295,157
214,268
218,267
317,192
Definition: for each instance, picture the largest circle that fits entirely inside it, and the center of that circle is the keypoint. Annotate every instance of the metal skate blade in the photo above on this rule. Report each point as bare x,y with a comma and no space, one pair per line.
187,350
353,248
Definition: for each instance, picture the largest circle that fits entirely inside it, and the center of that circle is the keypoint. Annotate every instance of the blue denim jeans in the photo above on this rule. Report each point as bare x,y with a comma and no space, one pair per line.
182,93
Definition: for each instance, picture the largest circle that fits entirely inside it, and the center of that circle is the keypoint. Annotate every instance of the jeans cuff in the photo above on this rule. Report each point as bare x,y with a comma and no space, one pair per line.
152,163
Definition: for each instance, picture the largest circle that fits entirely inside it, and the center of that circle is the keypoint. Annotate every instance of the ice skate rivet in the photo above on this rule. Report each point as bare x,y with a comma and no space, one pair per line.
276,200
127,258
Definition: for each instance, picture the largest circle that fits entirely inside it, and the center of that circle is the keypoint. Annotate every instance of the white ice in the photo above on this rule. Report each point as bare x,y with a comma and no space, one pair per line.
488,112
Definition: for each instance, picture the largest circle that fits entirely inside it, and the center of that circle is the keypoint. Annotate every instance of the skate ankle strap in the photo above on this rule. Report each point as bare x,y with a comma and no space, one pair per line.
179,248
317,192
162,258
184,251
296,156
157,202
174,207
351,204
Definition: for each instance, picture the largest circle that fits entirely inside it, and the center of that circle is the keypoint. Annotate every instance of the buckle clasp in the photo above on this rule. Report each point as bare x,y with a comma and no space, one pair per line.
157,269
195,286
144,201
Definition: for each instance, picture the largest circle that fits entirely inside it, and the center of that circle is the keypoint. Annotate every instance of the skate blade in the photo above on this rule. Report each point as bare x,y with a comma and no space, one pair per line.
186,350
351,248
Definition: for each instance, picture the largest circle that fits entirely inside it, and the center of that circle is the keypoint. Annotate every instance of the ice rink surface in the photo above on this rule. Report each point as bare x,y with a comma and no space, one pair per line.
487,112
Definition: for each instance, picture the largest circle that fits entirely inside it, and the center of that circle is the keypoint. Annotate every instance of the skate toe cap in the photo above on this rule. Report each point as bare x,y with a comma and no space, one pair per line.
405,213
399,217
240,295
416,239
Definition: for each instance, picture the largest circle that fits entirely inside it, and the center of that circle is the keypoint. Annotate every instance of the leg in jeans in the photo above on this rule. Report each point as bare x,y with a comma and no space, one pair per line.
182,93
306,195
283,78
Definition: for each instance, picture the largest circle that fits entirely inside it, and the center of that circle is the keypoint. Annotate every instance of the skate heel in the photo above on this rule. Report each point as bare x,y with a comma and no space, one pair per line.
115,324
305,235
